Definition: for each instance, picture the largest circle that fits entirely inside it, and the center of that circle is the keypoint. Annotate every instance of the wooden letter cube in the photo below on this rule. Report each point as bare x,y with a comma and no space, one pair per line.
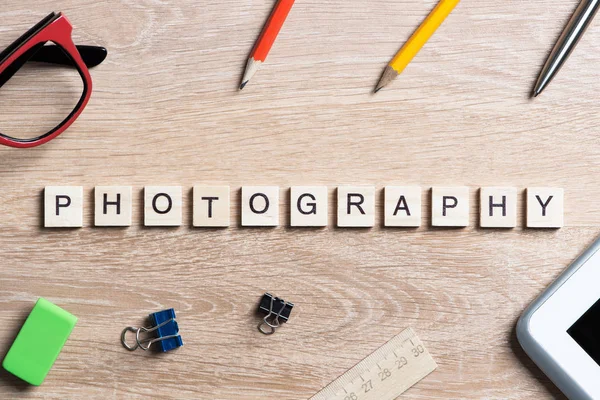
402,206
260,205
308,206
63,206
450,206
356,206
498,207
545,207
211,206
162,205
112,205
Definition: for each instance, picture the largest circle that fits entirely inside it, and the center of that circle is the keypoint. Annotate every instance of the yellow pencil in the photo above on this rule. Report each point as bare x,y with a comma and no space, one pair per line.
416,42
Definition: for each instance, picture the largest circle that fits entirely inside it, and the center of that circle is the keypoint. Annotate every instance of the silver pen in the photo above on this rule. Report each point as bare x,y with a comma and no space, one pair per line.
567,41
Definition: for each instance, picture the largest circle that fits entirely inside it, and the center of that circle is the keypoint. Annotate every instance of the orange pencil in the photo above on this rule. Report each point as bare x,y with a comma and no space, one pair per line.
266,39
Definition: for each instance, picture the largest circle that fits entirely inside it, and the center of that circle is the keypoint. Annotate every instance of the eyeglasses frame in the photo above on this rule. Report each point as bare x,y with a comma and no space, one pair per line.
54,28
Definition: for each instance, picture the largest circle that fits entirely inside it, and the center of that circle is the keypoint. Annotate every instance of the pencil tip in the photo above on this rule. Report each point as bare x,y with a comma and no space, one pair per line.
389,74
243,85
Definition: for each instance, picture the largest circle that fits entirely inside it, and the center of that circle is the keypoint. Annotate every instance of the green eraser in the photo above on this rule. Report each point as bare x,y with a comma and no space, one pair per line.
39,342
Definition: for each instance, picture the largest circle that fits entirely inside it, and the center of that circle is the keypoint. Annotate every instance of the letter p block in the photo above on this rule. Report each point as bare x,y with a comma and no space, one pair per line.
63,206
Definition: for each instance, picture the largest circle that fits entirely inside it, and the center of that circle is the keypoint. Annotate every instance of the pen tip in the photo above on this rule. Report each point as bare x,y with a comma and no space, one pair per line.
377,89
243,85
536,93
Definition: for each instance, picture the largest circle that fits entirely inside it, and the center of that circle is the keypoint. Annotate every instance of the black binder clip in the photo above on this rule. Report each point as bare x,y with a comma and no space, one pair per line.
165,331
277,310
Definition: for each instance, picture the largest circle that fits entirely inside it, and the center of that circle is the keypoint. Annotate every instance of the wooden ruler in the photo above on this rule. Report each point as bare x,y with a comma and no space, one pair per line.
385,374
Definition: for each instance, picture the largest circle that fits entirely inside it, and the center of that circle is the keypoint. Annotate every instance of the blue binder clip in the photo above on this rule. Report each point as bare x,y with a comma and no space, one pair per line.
164,329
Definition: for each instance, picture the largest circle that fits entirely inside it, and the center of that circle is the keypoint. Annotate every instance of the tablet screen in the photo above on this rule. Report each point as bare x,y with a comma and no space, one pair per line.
586,332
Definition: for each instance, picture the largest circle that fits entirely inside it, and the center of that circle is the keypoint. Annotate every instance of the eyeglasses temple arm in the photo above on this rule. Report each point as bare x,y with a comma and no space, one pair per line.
18,63
91,55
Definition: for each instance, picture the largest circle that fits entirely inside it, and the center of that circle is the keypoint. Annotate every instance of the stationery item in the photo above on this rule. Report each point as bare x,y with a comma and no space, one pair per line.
560,330
277,310
163,330
416,42
32,47
566,43
266,39
385,374
39,342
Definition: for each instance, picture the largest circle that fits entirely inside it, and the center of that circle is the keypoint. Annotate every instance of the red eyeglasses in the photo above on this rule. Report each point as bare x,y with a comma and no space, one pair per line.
32,47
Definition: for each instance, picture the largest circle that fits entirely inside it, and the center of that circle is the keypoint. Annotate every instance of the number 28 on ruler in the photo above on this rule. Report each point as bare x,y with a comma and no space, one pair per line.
385,374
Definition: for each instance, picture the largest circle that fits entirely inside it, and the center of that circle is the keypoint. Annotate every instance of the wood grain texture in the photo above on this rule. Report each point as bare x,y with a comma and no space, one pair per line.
166,111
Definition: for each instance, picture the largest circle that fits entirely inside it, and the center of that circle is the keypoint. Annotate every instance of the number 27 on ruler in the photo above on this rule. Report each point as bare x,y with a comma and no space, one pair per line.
385,374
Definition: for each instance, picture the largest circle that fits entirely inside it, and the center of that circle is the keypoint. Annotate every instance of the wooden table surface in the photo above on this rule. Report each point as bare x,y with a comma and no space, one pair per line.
166,110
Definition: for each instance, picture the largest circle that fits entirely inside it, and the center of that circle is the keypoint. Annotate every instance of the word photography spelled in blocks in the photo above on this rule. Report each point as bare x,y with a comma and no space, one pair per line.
309,206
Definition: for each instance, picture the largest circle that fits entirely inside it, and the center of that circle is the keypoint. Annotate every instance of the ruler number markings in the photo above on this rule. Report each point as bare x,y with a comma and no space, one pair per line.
393,375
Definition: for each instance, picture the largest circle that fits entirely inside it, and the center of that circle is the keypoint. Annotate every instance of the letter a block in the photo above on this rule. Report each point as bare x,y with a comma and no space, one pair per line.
545,207
356,206
403,206
112,205
63,206
450,206
308,206
211,206
498,207
162,205
260,205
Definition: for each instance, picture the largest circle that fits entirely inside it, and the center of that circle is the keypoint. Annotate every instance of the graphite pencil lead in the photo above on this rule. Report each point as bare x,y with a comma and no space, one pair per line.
389,74
251,67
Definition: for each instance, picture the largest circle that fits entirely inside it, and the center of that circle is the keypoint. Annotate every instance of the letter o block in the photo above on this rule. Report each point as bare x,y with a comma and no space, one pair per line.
260,205
162,205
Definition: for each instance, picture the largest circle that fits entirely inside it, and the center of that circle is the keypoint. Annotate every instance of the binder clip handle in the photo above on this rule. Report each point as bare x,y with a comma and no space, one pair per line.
275,323
144,344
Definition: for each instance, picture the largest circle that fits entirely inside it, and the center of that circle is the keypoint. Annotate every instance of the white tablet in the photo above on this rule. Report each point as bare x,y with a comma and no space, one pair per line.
560,330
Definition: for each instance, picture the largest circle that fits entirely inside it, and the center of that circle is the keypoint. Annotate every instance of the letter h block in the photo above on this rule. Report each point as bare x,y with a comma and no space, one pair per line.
112,205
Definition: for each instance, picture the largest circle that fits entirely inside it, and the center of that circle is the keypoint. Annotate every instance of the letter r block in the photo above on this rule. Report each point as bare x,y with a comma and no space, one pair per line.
63,206
356,206
450,206
545,207
498,207
162,205
308,206
260,205
112,205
